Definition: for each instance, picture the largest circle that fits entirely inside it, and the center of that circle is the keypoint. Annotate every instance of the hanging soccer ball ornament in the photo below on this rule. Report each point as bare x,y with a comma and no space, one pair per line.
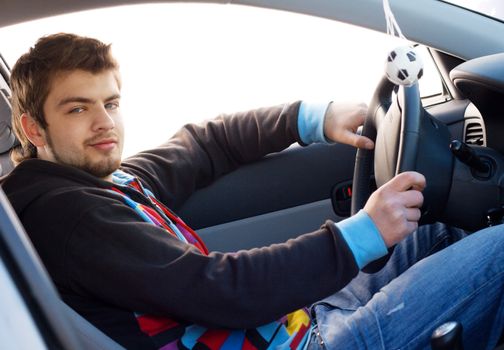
404,66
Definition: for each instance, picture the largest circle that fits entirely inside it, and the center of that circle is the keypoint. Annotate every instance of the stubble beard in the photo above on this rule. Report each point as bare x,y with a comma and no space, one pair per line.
100,169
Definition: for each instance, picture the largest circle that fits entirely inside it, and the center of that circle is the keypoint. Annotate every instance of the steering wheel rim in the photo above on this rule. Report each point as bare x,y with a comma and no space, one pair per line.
406,138
364,159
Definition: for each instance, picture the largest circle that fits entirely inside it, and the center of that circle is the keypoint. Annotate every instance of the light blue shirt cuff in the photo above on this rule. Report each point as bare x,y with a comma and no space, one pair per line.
311,122
363,238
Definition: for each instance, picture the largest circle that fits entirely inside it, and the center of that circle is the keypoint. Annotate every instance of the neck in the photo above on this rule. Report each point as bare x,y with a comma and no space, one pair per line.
108,178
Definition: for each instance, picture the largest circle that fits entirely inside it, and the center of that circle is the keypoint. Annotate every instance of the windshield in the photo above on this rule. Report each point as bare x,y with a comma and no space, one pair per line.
491,8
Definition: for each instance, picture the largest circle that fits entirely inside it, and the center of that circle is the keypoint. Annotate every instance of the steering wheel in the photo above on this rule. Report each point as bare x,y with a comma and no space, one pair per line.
406,138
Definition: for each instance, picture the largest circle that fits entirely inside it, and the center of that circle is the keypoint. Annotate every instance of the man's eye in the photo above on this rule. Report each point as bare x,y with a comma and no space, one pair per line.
112,105
76,110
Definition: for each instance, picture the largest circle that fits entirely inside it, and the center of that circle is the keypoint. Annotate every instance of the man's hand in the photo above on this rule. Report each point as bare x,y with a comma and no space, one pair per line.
341,123
394,207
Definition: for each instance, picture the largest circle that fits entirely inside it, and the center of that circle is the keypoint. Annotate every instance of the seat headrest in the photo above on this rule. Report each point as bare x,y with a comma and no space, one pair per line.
7,137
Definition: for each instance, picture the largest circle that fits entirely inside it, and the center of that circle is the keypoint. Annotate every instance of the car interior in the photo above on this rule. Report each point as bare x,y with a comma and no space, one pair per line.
453,139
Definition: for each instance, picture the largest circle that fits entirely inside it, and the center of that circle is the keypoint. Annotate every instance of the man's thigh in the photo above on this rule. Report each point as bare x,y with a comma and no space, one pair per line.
427,240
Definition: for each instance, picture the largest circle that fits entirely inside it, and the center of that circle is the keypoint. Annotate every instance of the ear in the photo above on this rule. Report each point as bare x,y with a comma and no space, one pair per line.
32,130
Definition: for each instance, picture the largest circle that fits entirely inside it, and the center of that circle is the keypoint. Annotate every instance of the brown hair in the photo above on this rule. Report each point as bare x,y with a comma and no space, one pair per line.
32,75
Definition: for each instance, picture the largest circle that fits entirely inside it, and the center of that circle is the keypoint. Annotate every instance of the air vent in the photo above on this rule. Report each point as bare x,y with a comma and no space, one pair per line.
474,134
474,127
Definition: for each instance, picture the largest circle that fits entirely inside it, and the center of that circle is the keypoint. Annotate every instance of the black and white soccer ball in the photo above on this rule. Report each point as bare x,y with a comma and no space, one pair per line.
404,66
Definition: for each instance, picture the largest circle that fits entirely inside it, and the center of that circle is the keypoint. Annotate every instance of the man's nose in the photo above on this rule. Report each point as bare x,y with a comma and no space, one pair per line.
103,120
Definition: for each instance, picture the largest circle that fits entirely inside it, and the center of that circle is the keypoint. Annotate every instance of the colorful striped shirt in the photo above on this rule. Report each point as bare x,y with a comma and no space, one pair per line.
290,332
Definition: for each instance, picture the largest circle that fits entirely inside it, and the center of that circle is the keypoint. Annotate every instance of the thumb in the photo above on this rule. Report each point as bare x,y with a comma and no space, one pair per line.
356,140
408,180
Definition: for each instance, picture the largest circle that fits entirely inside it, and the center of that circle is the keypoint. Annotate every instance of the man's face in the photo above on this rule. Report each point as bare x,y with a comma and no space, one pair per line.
85,128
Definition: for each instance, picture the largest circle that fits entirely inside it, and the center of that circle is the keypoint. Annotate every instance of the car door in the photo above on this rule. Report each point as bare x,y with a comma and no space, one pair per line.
295,191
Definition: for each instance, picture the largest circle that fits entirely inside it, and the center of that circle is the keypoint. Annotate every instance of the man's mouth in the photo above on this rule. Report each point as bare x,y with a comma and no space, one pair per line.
104,144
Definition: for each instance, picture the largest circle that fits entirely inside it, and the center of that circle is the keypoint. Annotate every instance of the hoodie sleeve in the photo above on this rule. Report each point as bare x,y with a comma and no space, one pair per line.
112,256
198,154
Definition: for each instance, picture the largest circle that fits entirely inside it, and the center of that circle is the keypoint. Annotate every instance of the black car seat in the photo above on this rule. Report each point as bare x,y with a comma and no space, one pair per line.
90,336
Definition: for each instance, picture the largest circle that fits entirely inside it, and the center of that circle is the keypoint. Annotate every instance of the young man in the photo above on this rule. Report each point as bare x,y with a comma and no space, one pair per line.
127,263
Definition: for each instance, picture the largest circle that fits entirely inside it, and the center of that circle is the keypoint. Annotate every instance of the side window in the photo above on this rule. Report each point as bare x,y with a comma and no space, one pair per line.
430,84
189,62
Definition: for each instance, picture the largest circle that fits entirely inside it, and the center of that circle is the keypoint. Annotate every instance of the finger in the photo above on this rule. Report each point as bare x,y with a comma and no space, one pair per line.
413,214
419,186
411,226
407,180
412,199
364,142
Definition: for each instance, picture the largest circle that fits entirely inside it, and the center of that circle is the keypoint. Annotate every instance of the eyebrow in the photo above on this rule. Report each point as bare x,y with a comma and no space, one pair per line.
78,99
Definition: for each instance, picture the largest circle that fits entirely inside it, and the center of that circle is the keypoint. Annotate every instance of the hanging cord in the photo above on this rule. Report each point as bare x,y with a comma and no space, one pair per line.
404,66
392,25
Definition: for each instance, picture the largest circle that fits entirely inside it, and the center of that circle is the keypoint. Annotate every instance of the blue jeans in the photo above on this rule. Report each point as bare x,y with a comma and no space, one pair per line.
427,281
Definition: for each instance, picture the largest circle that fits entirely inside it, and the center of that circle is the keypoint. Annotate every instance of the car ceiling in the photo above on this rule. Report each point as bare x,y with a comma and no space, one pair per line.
433,23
